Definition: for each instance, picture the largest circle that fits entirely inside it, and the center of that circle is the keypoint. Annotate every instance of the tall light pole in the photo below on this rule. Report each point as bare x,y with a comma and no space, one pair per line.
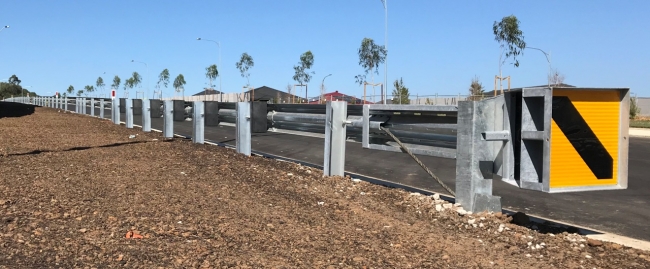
547,59
219,67
6,26
147,80
322,89
385,2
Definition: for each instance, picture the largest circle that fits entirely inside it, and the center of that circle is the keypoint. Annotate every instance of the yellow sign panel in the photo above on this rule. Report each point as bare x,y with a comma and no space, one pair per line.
584,138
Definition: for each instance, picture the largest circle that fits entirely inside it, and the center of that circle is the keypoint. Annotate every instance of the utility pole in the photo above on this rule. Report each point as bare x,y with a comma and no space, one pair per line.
384,94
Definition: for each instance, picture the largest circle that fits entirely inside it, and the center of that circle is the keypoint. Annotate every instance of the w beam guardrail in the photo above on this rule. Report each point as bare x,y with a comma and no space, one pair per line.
542,139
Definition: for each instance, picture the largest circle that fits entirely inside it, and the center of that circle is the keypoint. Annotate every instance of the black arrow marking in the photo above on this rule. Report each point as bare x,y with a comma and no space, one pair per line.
583,139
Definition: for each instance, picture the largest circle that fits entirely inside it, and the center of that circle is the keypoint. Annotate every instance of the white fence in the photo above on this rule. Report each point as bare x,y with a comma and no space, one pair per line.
224,97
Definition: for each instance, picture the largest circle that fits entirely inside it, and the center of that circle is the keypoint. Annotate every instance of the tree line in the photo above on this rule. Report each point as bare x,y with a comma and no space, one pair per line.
12,88
371,55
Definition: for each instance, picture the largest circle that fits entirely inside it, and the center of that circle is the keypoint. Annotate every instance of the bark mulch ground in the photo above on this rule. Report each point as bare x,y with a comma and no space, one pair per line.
77,192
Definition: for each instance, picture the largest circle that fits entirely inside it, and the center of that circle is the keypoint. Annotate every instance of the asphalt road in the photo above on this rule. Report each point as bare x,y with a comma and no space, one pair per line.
624,212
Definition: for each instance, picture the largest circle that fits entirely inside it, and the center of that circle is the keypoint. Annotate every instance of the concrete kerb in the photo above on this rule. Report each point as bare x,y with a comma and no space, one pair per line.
588,232
640,132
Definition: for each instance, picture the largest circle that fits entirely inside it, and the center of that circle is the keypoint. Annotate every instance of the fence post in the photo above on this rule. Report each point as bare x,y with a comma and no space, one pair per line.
92,107
243,140
65,103
115,111
198,122
335,127
83,106
168,117
101,108
146,115
77,106
129,113
476,155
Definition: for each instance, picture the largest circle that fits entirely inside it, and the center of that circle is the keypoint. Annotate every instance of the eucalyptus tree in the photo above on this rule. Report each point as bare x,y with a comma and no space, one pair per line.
179,84
70,90
88,89
371,56
211,73
116,83
245,63
163,79
128,84
510,38
100,84
302,76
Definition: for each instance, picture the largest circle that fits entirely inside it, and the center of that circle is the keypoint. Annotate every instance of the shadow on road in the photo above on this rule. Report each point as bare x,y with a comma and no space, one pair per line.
8,109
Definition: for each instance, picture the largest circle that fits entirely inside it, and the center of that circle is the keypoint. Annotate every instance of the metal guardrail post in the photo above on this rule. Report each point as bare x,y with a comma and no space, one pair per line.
65,103
479,153
129,113
243,140
76,105
198,122
335,128
83,106
92,107
168,119
115,111
101,108
146,116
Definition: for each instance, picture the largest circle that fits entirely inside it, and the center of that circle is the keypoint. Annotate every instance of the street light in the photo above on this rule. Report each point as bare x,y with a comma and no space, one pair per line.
219,45
385,2
322,89
6,26
547,59
147,80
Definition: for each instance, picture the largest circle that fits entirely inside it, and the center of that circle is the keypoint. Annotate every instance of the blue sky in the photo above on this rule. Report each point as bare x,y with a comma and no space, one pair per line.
435,46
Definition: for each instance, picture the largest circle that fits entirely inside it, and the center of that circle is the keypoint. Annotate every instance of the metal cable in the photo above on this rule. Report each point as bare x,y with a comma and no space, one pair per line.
418,161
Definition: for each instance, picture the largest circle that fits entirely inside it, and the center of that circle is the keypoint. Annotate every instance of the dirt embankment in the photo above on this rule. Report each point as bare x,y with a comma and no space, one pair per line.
72,188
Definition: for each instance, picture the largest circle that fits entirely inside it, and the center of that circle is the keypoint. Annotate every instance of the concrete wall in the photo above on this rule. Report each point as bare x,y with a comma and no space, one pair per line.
644,104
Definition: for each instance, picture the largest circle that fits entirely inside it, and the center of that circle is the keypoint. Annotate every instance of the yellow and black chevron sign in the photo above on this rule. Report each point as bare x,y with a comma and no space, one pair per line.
584,138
